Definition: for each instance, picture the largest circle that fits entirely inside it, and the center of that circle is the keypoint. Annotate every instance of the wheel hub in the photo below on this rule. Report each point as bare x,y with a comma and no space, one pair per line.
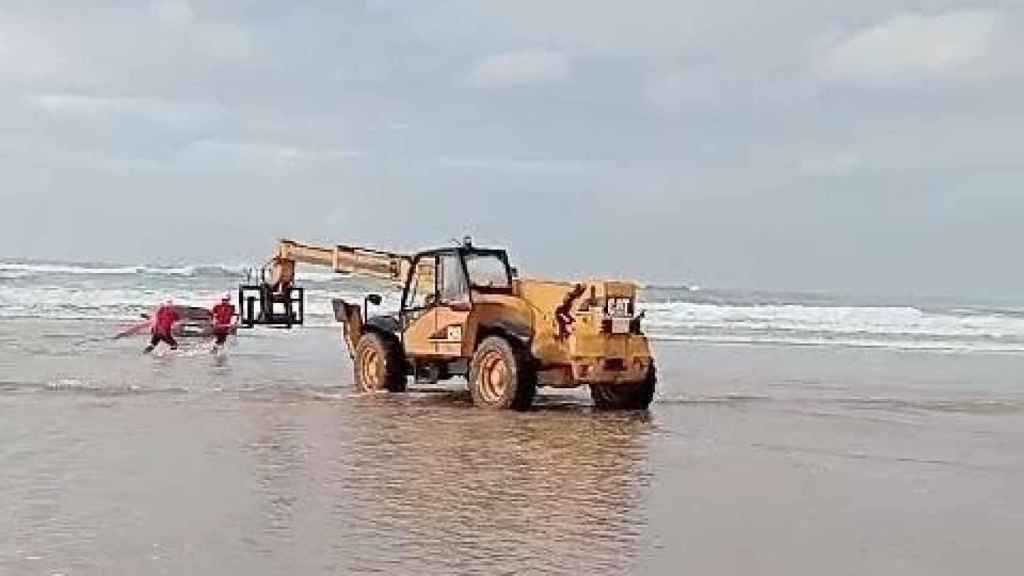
371,368
491,379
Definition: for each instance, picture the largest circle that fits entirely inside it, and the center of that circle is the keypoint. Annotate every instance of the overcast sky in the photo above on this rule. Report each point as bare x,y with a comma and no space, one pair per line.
794,144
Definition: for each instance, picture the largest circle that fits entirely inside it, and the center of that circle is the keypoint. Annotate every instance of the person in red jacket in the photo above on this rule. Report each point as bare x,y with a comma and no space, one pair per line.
223,317
163,324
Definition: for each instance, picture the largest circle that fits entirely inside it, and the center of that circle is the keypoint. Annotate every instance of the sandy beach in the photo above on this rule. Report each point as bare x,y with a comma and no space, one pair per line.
758,459
780,241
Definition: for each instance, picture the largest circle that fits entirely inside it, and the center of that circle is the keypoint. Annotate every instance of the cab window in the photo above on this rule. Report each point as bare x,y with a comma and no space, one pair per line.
422,291
452,281
487,271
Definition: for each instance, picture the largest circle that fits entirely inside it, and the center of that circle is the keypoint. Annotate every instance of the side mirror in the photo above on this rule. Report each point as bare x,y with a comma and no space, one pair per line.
370,299
515,272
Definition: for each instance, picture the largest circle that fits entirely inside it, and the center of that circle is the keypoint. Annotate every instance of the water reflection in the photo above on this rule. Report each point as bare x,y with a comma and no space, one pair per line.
425,482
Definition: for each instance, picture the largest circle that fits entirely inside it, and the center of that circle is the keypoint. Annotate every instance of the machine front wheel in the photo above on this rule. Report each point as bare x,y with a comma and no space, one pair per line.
502,376
378,364
625,396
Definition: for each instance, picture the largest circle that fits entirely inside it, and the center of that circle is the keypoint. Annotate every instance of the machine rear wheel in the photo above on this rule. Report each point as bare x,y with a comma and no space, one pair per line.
501,375
378,364
625,396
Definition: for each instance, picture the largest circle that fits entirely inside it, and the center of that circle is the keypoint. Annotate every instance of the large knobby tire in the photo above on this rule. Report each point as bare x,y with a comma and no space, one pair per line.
501,375
379,364
628,396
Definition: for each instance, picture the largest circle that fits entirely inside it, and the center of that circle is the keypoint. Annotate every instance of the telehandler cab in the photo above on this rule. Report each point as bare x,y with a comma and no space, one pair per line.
464,312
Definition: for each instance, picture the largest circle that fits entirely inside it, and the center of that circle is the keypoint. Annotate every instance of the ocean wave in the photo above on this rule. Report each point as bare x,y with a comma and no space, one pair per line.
848,342
850,320
22,270
118,303
34,269
238,273
109,296
13,275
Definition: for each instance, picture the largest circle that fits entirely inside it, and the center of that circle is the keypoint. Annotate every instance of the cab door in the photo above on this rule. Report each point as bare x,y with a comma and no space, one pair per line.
453,306
436,307
418,303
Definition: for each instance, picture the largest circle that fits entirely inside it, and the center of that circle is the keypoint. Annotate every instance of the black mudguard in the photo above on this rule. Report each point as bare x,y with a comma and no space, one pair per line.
385,323
515,331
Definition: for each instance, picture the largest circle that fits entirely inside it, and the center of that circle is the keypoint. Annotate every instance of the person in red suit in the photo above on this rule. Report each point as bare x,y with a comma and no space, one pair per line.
163,324
223,319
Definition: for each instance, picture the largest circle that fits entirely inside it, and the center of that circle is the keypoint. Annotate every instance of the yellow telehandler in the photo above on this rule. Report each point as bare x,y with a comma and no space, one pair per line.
465,312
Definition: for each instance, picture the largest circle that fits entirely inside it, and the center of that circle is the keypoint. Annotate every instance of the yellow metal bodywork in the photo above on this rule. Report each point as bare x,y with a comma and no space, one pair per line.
582,355
564,323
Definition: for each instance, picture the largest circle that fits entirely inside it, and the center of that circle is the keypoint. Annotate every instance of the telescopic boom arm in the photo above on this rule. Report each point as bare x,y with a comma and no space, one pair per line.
389,266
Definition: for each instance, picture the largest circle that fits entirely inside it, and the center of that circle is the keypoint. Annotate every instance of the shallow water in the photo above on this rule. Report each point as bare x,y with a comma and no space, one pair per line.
752,460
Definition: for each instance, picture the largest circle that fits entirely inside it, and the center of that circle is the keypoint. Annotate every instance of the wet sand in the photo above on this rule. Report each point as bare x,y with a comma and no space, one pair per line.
752,460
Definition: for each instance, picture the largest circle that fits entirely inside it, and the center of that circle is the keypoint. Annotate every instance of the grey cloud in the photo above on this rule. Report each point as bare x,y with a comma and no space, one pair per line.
521,67
908,46
258,156
775,145
174,12
169,114
511,165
